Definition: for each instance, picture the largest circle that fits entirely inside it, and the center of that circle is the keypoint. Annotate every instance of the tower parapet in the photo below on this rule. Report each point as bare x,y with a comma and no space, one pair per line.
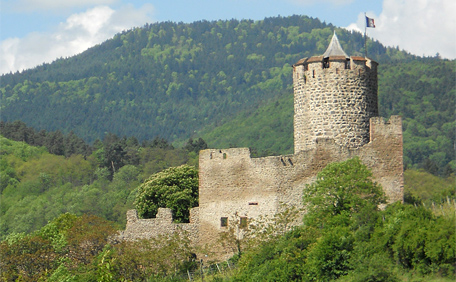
334,97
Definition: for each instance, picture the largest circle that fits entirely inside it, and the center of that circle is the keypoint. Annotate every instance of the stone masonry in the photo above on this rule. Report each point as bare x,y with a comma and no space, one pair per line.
334,102
335,119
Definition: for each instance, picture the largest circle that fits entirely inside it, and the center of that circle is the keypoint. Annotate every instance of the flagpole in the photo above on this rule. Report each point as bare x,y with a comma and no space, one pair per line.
365,31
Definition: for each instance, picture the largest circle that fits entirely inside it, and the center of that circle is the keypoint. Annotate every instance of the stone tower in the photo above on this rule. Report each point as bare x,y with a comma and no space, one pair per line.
334,97
335,120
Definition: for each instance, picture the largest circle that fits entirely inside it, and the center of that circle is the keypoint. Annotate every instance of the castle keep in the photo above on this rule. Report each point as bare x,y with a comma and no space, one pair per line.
335,97
335,118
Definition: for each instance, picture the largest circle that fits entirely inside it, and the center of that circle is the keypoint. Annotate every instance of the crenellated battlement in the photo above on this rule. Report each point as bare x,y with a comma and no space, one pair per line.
162,224
223,154
390,128
335,119
334,97
311,67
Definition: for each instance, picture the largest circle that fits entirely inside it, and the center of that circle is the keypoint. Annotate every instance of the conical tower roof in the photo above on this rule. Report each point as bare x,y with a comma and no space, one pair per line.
334,49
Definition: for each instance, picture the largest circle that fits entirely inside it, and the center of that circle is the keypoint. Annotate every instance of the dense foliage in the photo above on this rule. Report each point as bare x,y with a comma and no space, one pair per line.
229,82
175,188
346,238
355,244
177,80
423,92
71,248
37,186
342,189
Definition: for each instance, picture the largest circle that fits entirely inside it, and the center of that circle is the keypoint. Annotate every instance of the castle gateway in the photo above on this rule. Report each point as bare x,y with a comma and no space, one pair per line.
335,119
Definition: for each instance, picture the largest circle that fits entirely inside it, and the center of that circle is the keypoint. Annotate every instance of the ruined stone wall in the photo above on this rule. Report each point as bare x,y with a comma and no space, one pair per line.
384,155
162,224
334,102
234,185
335,120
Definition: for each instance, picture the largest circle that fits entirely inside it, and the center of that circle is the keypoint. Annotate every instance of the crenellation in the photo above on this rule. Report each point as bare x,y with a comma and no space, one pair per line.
335,119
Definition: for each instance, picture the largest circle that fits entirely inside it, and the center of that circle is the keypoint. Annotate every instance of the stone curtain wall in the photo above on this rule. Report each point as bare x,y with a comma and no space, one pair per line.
335,120
334,102
384,155
234,185
162,224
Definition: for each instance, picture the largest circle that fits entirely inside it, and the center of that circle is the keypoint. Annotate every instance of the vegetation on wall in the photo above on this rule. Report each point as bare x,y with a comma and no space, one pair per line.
230,83
345,237
348,240
175,188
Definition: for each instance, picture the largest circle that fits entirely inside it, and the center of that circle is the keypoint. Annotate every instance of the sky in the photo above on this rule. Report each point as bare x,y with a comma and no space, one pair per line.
33,32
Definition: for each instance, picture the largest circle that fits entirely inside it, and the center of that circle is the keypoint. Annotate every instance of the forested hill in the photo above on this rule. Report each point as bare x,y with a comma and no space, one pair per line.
177,80
169,79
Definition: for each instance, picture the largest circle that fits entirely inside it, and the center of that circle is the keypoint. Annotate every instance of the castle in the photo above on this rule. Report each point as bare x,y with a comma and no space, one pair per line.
335,118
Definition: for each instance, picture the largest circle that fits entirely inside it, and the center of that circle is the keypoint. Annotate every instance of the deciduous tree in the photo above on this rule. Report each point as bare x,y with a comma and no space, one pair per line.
175,188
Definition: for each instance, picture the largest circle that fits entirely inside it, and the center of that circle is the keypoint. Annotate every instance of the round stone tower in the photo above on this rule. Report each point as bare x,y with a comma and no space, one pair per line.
334,97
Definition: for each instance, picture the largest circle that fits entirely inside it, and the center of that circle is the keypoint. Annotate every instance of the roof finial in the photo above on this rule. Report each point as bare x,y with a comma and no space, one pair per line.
334,48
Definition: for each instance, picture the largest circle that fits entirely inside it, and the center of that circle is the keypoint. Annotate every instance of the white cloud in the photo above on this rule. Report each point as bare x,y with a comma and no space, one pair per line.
312,2
79,32
422,27
29,5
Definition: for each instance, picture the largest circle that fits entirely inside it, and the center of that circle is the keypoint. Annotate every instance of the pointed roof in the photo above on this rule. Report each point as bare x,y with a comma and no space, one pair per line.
334,48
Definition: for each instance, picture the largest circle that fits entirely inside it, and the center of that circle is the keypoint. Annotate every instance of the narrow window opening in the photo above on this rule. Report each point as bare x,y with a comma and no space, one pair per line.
347,64
243,222
253,203
313,73
337,70
325,63
224,221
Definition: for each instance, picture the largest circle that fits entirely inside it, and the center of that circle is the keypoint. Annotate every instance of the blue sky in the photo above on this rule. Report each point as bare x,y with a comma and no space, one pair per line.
37,31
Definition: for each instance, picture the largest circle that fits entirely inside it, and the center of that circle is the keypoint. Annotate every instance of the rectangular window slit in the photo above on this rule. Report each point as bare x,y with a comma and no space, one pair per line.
243,222
224,221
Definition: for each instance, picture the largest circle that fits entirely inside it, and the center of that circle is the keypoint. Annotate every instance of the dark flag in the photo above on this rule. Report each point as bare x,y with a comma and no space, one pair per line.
370,22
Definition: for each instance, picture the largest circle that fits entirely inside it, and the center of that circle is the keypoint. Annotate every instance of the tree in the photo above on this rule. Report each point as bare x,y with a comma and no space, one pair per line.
66,247
342,189
87,237
343,203
175,188
114,155
27,259
195,146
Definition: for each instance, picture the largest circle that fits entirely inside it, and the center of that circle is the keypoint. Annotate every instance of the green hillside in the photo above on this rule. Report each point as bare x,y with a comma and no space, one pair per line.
228,81
54,227
37,186
421,91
